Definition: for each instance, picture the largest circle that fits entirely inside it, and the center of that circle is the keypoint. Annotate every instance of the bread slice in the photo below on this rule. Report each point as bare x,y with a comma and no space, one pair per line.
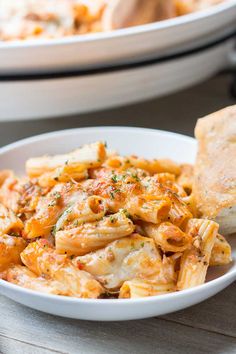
214,184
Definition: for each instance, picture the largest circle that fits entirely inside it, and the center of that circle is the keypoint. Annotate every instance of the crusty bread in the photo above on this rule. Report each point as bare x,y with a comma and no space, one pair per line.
215,171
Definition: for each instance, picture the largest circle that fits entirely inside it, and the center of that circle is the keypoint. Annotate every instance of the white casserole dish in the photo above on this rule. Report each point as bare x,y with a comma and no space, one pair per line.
43,96
121,45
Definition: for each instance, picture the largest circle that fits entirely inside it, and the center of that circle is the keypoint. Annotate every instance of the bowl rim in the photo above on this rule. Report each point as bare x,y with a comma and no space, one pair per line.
170,296
175,22
231,275
85,130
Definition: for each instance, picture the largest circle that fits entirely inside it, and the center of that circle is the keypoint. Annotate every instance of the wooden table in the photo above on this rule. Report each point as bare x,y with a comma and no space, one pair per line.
209,327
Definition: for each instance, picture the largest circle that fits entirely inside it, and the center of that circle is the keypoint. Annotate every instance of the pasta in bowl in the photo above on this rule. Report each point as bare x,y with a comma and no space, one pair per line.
104,230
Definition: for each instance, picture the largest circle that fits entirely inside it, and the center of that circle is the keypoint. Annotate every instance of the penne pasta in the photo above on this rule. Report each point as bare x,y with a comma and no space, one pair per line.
179,213
92,236
9,195
10,250
130,257
131,175
9,222
41,259
66,173
89,209
185,179
193,269
23,277
221,252
89,156
170,266
49,209
151,166
195,261
190,202
167,180
168,236
137,288
149,208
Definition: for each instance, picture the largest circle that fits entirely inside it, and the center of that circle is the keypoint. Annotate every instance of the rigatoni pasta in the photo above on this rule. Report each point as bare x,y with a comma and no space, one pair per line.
10,250
169,237
88,156
43,260
136,288
195,260
94,224
92,236
22,276
221,252
9,222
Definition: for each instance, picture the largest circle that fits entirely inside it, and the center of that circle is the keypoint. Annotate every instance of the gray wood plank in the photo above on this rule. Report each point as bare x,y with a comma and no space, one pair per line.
9,346
217,314
145,336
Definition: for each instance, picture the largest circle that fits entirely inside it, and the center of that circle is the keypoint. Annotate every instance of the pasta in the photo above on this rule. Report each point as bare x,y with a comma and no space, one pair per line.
49,208
88,156
168,236
22,276
137,288
9,222
10,250
92,236
41,259
149,208
9,195
195,261
122,260
94,224
221,252
57,18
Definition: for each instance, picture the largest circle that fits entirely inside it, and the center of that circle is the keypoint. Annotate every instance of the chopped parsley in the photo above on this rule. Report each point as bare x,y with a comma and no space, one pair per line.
54,230
14,234
52,203
115,178
127,214
112,219
132,246
57,195
112,193
134,176
76,223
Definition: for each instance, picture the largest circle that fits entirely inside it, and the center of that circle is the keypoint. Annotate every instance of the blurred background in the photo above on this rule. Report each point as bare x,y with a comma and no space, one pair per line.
177,112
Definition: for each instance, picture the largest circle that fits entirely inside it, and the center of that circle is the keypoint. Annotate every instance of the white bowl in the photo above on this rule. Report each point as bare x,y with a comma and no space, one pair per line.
144,142
44,96
122,45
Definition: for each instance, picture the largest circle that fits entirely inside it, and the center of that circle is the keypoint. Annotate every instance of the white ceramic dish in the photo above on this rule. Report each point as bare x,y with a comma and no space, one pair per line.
144,142
126,44
60,95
